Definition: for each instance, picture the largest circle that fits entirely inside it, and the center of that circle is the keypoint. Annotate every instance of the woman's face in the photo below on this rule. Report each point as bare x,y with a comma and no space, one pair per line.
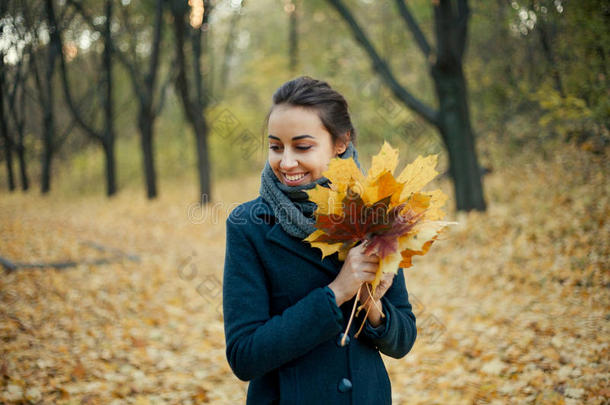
300,148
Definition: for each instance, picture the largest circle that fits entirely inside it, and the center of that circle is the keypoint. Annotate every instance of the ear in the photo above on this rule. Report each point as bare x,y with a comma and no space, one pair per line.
342,146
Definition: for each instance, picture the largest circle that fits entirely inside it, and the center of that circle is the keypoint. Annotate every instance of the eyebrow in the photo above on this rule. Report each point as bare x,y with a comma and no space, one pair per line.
294,138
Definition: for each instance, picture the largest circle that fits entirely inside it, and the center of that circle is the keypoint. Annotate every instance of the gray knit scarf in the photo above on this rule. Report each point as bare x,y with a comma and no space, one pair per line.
291,204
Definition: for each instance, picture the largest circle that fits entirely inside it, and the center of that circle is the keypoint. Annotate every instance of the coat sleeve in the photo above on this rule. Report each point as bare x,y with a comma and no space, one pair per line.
256,342
396,335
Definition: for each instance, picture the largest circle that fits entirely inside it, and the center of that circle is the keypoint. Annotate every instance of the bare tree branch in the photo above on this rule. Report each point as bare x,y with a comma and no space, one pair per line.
131,67
56,39
169,78
131,36
461,27
428,113
412,25
444,38
153,67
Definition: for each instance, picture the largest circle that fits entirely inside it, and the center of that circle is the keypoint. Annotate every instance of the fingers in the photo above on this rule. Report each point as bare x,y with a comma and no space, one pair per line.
371,257
365,263
369,268
363,267
366,276
368,259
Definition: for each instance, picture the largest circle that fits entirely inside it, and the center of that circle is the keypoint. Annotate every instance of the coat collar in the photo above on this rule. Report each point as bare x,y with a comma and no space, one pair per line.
278,236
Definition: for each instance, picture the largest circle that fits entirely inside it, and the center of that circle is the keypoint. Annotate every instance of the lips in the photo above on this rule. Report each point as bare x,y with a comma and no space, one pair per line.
294,179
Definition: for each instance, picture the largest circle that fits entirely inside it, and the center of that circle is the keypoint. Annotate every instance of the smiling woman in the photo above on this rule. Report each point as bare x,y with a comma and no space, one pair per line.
299,158
285,306
308,124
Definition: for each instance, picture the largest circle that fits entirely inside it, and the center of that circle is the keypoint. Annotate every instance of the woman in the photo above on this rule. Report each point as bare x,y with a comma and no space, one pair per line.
285,309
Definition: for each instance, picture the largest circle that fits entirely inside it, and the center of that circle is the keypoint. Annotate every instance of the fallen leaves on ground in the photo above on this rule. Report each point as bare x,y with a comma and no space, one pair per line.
513,308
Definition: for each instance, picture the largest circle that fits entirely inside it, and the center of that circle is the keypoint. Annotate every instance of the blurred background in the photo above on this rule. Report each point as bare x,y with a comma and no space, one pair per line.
129,130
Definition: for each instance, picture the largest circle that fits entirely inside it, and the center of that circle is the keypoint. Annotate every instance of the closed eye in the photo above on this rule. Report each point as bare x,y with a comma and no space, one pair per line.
275,147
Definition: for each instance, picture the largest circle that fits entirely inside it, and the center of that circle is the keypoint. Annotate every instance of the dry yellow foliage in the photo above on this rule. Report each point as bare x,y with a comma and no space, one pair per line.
347,211
513,310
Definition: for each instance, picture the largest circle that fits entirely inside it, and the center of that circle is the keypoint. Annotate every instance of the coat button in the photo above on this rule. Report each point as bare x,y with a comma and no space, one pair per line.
347,339
345,385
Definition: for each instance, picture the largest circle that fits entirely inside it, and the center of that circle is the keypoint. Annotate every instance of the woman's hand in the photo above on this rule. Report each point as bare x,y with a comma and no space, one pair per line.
357,269
374,307
384,284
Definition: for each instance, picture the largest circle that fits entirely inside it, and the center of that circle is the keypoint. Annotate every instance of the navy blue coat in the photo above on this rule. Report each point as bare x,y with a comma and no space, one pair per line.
282,323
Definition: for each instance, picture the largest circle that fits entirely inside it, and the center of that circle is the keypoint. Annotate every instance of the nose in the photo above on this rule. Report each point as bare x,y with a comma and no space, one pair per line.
288,161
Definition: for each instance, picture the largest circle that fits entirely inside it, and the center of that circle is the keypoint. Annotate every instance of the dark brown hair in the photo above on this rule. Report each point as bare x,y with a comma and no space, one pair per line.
330,105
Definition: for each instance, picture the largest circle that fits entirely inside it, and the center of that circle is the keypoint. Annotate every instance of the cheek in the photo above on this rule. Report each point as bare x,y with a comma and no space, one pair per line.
311,164
318,166
273,161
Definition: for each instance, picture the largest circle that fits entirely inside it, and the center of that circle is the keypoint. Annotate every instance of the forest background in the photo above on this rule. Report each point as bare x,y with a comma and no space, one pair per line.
127,140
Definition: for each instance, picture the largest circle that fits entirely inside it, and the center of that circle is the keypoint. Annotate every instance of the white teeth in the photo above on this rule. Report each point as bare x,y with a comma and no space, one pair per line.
294,178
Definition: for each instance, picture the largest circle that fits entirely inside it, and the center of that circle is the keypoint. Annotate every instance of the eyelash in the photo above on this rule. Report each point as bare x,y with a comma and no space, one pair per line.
275,147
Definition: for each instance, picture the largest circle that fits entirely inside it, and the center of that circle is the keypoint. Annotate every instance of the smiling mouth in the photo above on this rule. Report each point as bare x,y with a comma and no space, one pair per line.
294,178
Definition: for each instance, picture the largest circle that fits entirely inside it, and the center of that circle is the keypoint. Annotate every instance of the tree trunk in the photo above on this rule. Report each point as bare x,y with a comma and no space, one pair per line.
16,113
9,164
228,53
19,124
3,120
49,98
48,134
8,147
25,183
456,131
203,161
293,41
198,117
105,136
193,104
108,145
452,118
108,137
145,124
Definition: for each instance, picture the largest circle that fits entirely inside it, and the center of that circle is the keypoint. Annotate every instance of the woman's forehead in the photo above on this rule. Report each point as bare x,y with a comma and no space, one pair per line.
289,122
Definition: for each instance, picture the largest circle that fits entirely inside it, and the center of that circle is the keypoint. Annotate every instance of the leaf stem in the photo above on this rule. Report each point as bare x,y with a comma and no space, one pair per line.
364,321
374,302
351,318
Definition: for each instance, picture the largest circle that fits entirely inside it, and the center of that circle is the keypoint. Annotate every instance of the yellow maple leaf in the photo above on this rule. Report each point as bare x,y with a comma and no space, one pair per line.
417,174
342,173
385,160
387,264
417,202
328,201
437,201
422,233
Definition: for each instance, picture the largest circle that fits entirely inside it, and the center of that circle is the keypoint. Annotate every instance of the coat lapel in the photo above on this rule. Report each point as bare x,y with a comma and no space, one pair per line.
277,235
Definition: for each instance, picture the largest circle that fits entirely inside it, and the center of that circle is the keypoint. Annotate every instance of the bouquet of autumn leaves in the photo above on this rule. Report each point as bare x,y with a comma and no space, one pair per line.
390,215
